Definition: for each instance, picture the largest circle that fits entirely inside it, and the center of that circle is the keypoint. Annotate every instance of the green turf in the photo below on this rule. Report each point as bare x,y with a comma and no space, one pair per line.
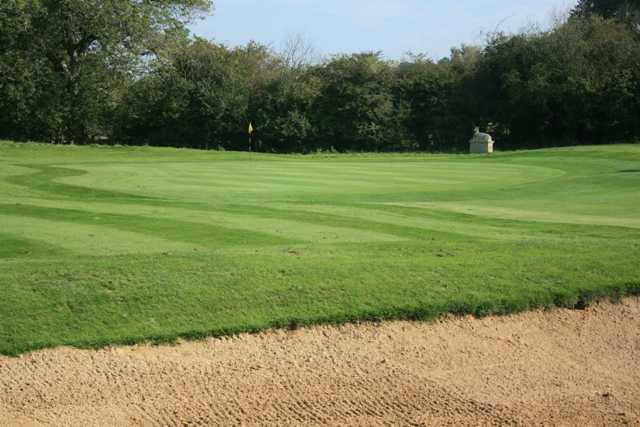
104,245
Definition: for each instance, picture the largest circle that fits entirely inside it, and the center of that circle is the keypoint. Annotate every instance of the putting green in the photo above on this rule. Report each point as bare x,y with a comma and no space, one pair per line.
102,245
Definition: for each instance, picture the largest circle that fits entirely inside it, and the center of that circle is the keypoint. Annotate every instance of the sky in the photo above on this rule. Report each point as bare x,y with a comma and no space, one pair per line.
394,27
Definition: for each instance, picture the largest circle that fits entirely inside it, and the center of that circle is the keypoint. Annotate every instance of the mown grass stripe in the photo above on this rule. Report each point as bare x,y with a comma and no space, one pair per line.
98,244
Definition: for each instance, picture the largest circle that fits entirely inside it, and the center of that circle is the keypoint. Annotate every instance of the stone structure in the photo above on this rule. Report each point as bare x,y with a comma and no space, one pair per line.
481,143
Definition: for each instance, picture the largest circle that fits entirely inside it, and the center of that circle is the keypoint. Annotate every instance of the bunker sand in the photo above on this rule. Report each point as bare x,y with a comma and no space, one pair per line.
560,367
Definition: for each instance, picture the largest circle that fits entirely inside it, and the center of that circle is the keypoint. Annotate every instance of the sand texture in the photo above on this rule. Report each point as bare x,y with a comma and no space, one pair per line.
541,368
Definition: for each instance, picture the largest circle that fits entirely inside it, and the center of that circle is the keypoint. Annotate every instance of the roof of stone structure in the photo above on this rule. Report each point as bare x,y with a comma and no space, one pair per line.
480,138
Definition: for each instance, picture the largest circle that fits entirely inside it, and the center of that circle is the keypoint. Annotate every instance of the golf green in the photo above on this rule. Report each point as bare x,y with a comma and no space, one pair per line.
112,245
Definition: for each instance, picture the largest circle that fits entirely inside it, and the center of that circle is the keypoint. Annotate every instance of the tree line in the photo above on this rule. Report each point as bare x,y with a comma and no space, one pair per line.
128,72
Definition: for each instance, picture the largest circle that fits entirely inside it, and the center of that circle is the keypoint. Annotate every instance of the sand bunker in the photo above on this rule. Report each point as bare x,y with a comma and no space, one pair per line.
561,367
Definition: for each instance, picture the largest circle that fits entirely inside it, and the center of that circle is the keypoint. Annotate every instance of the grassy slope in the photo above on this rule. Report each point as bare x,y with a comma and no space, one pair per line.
116,245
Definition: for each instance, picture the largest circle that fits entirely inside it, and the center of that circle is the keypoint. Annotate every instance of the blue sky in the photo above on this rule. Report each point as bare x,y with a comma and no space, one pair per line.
392,26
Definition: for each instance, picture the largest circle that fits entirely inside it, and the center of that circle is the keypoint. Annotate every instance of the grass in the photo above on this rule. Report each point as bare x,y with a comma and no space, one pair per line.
103,245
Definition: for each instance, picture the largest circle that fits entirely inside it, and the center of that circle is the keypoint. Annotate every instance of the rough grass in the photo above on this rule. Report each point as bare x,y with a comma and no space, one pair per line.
104,245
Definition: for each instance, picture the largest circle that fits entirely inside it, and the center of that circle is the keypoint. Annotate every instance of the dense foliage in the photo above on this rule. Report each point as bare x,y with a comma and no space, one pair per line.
127,72
625,10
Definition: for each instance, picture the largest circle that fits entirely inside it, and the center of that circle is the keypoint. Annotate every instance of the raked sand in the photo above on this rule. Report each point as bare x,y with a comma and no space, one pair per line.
558,367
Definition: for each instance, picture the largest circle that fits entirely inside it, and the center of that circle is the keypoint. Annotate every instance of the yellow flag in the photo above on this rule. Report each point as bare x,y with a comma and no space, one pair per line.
250,128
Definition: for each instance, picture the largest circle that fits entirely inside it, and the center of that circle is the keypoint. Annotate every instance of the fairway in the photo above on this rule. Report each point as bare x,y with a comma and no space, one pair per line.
113,245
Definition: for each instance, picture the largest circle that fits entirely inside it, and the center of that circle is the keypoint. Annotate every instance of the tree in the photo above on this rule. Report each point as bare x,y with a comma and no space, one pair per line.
88,47
128,70
424,88
355,109
576,84
282,110
196,95
298,53
623,10
24,77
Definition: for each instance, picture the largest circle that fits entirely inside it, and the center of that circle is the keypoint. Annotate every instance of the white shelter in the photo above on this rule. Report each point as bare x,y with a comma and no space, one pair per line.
481,143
